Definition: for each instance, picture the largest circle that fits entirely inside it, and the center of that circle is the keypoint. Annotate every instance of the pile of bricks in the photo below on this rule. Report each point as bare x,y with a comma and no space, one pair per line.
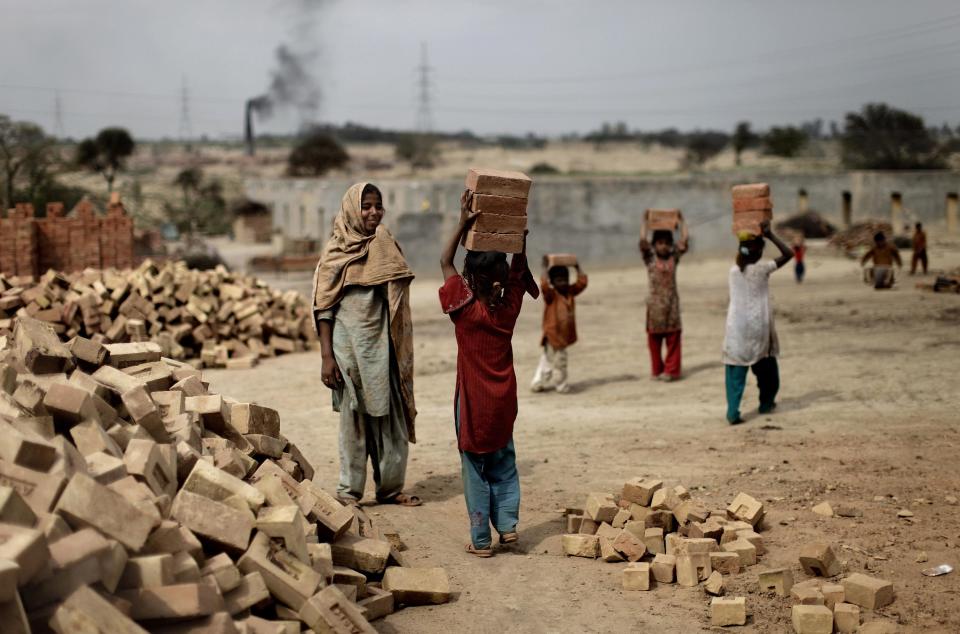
668,537
823,606
30,245
133,499
751,206
501,199
860,234
212,318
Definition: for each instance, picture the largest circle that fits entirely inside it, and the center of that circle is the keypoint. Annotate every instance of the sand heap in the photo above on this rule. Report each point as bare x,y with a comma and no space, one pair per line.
132,499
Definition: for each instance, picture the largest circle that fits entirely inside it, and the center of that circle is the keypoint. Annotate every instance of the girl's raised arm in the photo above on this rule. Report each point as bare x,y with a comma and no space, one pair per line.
450,248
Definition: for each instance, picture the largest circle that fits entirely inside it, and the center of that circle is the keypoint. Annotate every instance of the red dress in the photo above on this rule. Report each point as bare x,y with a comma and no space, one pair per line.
486,382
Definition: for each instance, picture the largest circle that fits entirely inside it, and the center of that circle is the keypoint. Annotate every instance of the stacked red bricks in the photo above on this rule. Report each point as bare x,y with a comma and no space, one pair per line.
501,199
83,240
751,206
134,499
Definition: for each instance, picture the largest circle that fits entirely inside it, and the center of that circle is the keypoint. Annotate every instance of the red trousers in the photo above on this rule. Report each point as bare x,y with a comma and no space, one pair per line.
655,341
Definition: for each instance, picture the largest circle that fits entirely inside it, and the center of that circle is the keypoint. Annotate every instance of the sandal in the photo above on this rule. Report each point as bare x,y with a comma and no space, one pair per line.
404,500
509,538
483,553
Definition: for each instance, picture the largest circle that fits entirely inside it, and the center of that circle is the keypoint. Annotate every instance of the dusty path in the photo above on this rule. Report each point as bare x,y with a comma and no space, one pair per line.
869,407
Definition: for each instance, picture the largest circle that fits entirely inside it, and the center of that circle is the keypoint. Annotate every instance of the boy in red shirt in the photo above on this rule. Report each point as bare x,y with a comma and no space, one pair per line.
484,304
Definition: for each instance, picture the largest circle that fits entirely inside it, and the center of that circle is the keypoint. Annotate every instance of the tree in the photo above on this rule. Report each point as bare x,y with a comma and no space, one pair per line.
106,153
419,150
202,208
316,154
702,146
24,151
883,137
786,141
743,137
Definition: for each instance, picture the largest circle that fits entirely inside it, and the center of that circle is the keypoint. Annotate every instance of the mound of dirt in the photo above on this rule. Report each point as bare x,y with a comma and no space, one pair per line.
811,224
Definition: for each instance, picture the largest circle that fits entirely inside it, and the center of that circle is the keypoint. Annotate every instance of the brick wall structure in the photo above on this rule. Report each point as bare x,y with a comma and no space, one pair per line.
82,239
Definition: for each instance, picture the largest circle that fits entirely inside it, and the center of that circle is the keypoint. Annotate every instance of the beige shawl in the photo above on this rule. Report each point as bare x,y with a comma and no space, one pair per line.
353,258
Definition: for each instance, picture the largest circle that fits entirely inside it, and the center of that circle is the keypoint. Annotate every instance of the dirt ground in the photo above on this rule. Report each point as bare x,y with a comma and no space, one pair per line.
867,417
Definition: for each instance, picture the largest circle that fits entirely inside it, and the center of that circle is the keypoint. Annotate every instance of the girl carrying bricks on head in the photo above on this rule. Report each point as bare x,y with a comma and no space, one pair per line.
484,304
361,303
751,339
663,302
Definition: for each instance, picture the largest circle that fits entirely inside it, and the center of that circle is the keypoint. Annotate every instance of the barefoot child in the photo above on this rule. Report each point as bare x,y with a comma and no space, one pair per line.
559,326
663,302
751,339
484,304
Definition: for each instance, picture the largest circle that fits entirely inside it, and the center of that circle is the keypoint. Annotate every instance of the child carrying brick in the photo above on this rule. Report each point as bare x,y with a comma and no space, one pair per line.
663,301
559,326
751,339
484,304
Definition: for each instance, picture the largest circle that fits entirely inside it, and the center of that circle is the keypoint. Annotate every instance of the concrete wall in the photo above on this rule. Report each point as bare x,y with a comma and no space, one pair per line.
599,218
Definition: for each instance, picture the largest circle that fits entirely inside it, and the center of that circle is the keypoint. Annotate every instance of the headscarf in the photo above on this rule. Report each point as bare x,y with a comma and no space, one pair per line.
353,258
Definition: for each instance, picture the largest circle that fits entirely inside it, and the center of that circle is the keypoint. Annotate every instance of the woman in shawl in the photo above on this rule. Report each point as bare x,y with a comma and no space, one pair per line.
361,303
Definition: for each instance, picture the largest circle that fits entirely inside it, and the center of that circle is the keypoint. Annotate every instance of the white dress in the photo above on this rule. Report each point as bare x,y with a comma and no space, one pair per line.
750,335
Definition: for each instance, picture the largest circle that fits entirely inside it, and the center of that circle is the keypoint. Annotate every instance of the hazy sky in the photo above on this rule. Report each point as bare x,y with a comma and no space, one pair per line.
497,66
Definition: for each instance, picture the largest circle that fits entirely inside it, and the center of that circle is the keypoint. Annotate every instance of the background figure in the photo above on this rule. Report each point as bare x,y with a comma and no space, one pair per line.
799,253
750,342
559,327
884,256
919,249
663,300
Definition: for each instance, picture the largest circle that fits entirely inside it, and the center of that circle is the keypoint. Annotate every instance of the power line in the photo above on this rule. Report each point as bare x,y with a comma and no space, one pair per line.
424,121
186,131
58,118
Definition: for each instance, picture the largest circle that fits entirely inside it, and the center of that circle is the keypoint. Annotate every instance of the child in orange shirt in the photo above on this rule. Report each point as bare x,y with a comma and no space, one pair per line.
559,327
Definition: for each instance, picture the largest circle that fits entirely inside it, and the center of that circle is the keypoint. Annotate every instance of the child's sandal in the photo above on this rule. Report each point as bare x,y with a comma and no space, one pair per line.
509,538
483,553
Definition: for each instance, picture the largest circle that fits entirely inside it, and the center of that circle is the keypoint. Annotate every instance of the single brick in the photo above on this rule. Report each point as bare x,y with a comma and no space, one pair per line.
360,553
724,562
290,581
503,242
251,591
812,619
867,592
846,618
819,559
714,584
653,540
500,205
636,576
753,190
744,549
724,612
219,522
752,204
185,600
833,593
498,182
417,586
496,223
85,502
331,611
746,509
87,611
777,580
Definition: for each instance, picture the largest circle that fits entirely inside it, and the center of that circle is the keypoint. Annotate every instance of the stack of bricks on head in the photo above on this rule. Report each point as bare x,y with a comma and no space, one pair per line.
662,219
668,537
751,206
210,318
501,199
133,499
